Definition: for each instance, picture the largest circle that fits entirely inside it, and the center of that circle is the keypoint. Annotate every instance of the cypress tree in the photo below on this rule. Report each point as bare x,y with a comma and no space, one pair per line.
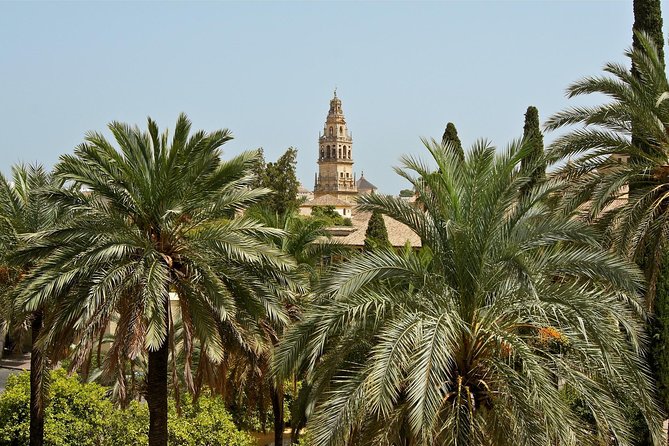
258,167
648,18
661,330
376,235
532,164
451,136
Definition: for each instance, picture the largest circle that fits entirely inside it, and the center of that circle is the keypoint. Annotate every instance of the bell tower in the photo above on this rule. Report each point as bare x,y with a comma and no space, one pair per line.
335,160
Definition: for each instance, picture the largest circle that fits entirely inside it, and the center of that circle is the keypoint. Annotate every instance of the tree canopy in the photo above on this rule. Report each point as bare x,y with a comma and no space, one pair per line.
440,346
281,179
155,230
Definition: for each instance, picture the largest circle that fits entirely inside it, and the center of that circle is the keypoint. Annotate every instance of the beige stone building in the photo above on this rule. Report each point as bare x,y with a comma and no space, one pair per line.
343,208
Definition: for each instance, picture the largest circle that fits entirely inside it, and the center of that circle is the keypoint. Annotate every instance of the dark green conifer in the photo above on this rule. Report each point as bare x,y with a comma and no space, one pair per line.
661,330
376,235
533,164
451,136
648,18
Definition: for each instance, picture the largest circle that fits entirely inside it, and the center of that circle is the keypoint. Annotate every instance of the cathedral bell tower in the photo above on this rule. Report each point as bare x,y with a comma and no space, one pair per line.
335,160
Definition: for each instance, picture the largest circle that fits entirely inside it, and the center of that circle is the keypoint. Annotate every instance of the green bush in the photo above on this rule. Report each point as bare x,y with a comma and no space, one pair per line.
82,414
206,423
129,426
14,414
330,216
77,413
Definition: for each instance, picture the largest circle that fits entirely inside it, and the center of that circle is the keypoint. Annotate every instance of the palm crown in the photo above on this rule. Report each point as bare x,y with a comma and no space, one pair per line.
159,219
623,179
23,210
465,341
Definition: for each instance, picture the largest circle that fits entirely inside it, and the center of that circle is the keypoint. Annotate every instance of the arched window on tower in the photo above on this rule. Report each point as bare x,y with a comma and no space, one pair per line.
349,153
339,153
328,149
341,130
330,131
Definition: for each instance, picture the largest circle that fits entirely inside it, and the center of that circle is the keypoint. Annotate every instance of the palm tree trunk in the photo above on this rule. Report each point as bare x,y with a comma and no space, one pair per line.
156,395
295,433
277,409
262,410
37,371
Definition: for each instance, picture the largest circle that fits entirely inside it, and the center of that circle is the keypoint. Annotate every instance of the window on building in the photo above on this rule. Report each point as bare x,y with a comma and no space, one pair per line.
330,131
339,153
349,154
341,130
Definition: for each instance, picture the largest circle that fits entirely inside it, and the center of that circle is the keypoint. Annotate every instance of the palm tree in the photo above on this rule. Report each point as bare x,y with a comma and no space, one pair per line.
619,174
157,230
24,210
306,240
623,180
473,339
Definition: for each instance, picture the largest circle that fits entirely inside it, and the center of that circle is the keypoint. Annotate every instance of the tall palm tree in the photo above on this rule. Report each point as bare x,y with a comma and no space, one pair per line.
157,229
306,240
618,172
624,182
24,210
473,339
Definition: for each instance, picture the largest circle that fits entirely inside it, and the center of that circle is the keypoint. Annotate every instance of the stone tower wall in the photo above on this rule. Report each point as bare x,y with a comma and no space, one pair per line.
335,156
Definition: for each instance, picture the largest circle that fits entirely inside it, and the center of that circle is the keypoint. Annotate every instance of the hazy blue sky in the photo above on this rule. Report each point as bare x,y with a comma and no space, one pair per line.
266,70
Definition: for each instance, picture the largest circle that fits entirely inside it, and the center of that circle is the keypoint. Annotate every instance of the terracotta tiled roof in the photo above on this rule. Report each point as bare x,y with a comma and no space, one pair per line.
398,233
327,200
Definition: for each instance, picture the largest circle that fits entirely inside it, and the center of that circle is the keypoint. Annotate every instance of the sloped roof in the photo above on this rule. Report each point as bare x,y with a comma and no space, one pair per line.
398,233
327,200
302,190
363,184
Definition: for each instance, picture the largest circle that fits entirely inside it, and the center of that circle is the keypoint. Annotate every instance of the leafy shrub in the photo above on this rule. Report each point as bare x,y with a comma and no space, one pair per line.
76,414
206,423
14,413
330,216
305,439
81,414
129,426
